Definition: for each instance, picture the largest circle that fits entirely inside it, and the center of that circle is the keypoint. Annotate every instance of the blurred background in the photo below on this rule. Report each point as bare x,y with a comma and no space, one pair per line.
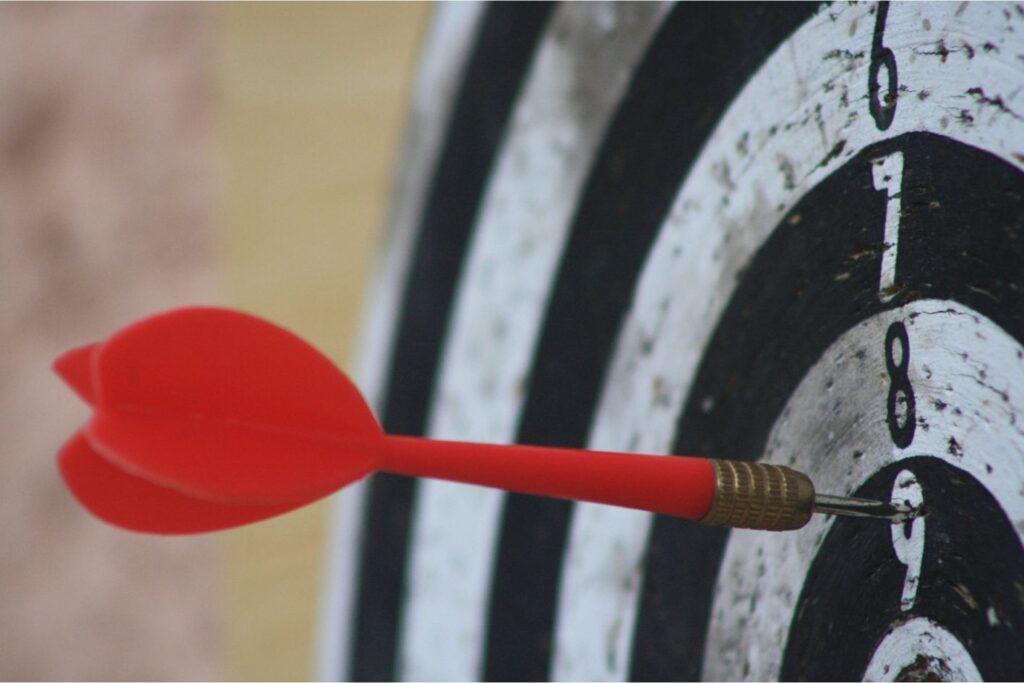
152,156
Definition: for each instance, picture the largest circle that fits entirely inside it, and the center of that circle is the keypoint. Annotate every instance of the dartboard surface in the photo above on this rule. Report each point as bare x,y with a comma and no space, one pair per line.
779,232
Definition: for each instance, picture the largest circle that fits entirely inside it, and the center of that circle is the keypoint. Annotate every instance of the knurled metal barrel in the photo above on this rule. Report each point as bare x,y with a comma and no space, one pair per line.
751,495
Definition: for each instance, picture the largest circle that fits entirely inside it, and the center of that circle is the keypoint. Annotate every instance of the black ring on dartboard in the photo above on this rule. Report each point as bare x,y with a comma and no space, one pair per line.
961,239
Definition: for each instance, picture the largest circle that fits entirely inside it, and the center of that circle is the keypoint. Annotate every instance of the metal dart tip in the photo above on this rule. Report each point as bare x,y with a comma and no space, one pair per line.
894,512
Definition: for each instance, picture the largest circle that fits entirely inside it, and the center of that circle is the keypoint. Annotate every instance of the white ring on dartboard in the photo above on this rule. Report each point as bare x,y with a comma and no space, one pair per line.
691,271
556,127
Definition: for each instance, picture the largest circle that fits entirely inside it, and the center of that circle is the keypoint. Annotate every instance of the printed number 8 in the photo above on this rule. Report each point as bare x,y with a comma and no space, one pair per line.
900,408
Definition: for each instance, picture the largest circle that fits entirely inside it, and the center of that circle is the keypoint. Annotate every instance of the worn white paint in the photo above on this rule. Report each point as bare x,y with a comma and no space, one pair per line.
967,375
900,649
579,73
887,174
445,50
774,144
909,549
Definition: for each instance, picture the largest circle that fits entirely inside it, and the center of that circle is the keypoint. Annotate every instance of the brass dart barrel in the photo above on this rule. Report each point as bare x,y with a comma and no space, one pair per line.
751,495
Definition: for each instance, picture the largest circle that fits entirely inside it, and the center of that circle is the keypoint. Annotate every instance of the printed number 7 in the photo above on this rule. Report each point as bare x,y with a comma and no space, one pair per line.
887,174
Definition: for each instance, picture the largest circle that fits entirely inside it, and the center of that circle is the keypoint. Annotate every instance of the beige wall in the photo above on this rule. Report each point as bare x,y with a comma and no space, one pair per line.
105,196
151,156
313,101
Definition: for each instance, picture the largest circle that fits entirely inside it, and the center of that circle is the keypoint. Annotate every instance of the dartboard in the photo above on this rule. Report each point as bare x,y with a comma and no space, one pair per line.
780,232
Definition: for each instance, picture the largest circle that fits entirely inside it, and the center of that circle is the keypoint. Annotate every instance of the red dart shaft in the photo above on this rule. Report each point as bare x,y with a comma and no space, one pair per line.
671,485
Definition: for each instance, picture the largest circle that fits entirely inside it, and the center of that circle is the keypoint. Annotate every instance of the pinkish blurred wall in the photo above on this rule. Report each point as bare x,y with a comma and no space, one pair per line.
106,205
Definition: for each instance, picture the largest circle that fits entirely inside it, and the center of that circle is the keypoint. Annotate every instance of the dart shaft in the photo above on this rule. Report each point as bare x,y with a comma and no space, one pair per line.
680,486
717,492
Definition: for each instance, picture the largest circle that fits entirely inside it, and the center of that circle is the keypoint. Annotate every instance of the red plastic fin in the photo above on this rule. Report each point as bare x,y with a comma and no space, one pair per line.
135,504
224,364
75,368
226,461
219,402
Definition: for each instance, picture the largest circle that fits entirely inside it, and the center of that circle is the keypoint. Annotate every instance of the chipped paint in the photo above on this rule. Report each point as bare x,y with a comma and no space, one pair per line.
921,650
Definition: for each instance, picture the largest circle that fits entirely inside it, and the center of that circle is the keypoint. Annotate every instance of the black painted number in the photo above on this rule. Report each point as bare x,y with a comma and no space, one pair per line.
882,106
900,412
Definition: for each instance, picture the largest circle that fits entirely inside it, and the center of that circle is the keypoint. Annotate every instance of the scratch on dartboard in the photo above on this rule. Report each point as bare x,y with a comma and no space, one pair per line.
833,154
788,172
965,594
661,394
1002,394
925,668
940,51
978,93
743,144
723,174
611,645
850,60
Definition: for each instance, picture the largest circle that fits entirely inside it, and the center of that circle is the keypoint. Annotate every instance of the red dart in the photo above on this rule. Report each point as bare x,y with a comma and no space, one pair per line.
207,418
